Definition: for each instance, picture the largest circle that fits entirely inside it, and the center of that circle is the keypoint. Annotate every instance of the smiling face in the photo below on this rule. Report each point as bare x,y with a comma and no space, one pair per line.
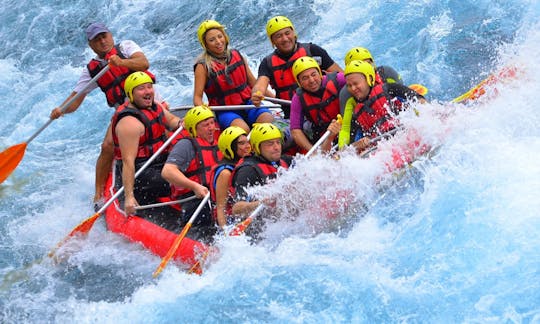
143,95
243,147
310,80
284,40
215,41
358,86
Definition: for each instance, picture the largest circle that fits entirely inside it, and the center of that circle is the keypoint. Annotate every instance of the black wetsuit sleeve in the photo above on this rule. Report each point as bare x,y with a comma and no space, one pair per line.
326,60
396,90
263,69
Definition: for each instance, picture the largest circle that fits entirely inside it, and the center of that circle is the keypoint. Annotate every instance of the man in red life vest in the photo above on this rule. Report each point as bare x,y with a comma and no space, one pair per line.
123,59
372,108
188,167
138,131
317,101
275,69
258,169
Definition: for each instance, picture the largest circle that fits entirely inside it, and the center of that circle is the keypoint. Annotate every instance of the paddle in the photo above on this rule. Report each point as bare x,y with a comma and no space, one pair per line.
230,107
11,157
166,203
180,237
278,101
86,225
478,90
420,89
378,138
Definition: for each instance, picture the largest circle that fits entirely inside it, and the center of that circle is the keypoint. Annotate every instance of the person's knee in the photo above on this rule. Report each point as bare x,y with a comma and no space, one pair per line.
239,122
265,117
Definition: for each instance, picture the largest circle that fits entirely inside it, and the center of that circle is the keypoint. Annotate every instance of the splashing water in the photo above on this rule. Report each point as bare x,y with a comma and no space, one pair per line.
454,239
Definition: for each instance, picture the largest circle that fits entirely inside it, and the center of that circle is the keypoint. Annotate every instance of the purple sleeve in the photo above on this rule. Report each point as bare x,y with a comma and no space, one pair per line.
341,80
297,117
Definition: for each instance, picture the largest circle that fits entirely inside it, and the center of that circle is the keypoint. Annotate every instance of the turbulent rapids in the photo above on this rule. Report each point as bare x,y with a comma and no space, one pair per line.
451,238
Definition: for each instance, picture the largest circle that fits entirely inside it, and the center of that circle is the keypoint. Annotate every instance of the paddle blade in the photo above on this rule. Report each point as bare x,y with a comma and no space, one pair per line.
241,227
172,250
9,159
83,228
508,72
420,89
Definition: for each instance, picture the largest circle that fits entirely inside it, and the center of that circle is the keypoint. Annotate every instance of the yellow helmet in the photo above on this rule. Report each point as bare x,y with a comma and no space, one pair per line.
362,67
226,139
196,115
263,132
206,26
303,63
277,23
133,80
358,53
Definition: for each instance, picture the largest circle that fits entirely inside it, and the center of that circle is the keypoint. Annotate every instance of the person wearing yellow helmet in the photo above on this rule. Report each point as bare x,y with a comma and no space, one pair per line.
372,108
223,75
234,145
259,168
138,131
316,102
276,69
189,163
383,73
122,59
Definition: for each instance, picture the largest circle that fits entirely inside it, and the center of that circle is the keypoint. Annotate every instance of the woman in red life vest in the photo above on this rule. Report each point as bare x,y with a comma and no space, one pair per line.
225,77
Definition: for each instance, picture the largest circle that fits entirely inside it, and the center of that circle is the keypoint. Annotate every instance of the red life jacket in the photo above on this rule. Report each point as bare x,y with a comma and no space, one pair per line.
154,122
374,115
264,169
199,169
228,84
378,78
112,82
282,80
321,111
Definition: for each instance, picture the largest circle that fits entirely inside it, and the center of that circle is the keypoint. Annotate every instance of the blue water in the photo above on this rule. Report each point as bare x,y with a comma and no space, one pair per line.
453,240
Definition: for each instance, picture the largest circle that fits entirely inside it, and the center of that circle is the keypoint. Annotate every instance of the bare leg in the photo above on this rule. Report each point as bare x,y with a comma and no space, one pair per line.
104,164
265,118
240,123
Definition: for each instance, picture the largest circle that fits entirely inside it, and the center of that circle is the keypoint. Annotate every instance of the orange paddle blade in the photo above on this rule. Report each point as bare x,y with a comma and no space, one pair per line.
9,159
420,89
83,228
172,250
241,227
